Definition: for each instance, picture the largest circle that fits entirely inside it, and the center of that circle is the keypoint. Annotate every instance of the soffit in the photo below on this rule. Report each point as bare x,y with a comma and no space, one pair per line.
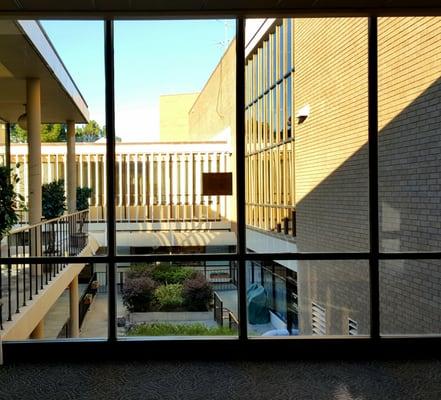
31,55
170,238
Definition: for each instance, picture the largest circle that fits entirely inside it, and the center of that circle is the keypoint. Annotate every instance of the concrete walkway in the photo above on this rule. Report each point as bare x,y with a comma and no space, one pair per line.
59,314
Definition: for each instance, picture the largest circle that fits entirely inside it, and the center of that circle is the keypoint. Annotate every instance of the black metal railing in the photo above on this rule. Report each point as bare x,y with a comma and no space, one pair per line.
286,223
62,236
221,277
218,307
87,297
222,313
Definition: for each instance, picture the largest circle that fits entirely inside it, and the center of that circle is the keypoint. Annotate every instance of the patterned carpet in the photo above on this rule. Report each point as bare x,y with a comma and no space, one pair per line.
312,380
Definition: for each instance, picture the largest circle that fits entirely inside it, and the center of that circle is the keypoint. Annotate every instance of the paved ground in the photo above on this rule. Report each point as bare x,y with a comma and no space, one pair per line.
95,322
59,314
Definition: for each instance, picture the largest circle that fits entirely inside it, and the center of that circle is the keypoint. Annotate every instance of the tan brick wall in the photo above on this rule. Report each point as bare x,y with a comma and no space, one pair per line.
331,163
214,110
213,115
174,121
410,171
332,175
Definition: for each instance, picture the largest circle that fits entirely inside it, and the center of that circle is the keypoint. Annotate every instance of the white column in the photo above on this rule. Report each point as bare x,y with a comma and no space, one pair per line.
64,158
104,183
136,202
74,308
26,177
190,185
159,176
206,169
151,184
49,169
223,198
128,182
81,170
182,179
89,172
167,186
198,177
136,180
120,200
214,199
96,189
57,175
167,179
71,176
33,111
175,178
144,180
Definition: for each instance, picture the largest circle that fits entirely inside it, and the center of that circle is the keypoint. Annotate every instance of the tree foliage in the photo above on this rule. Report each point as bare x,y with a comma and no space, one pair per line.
49,133
89,132
10,200
53,199
83,196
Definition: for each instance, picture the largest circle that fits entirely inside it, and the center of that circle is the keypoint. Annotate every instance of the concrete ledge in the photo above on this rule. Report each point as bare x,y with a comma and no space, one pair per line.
158,316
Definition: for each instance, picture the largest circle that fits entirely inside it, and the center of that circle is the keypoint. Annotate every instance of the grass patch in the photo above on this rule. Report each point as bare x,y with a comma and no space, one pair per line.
166,329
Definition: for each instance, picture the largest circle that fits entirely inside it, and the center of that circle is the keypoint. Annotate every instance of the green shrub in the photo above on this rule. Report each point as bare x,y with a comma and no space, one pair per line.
138,294
139,270
169,297
197,293
10,200
167,329
53,199
167,274
83,196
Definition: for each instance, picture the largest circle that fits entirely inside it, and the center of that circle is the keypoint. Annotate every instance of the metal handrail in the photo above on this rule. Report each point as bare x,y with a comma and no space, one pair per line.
20,282
46,221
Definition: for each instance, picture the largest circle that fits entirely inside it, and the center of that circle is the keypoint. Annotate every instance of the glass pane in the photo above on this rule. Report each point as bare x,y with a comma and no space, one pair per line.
59,182
175,118
292,298
53,301
409,140
178,299
410,297
306,152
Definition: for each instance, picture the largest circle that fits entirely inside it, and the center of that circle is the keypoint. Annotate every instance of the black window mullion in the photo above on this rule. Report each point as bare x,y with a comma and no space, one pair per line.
374,279
110,163
240,174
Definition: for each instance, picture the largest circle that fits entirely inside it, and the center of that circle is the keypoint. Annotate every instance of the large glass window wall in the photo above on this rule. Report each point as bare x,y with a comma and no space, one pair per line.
302,294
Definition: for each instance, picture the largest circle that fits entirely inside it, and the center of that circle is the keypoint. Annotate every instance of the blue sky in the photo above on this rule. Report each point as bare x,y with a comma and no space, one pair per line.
151,58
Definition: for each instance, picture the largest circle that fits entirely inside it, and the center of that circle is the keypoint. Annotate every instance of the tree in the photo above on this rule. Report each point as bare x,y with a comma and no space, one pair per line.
10,201
53,199
53,133
83,196
89,132
18,135
49,133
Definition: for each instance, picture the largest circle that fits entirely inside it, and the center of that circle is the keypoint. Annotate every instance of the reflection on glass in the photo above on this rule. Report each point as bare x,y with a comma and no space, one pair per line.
410,300
272,303
173,299
291,298
408,144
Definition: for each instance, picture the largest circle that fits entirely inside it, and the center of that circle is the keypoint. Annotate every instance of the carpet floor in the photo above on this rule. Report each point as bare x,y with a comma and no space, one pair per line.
312,380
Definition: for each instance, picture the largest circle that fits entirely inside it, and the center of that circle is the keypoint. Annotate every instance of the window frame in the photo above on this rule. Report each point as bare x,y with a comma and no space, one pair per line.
114,346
